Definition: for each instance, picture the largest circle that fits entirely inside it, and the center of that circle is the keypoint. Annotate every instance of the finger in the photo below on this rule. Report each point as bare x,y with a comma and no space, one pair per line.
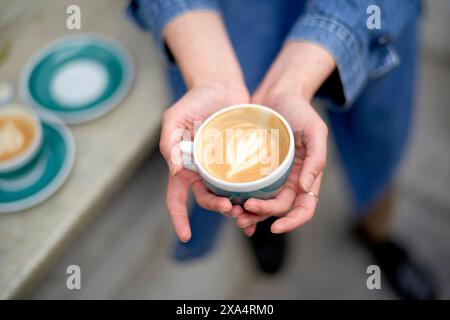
258,96
248,218
171,135
249,231
315,141
177,194
291,221
304,208
278,205
237,211
210,201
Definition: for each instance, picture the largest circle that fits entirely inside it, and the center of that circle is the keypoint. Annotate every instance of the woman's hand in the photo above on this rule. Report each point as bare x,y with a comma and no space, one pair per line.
288,87
212,74
310,135
178,123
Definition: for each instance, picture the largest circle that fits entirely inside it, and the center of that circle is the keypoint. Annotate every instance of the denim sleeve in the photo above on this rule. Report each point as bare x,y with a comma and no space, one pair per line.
153,15
341,27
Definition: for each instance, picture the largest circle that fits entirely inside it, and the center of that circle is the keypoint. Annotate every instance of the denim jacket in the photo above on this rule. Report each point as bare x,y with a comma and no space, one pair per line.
339,26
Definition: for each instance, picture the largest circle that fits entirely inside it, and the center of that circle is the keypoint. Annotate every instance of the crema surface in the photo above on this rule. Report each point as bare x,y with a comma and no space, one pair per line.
243,145
16,135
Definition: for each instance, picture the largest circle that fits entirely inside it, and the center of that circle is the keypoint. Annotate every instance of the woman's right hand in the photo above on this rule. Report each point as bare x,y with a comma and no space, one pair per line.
211,72
178,123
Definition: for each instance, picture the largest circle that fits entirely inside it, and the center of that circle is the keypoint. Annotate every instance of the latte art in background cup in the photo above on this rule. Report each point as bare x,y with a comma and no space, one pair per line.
20,137
241,152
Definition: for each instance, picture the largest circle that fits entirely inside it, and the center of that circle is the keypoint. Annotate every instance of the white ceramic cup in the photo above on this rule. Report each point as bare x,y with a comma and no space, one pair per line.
27,155
238,192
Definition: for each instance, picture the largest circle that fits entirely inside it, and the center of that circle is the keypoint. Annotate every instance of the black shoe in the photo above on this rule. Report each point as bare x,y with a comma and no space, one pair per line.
407,278
269,248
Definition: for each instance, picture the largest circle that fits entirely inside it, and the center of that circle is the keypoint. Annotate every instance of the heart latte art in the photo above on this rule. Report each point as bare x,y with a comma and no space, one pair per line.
16,135
243,145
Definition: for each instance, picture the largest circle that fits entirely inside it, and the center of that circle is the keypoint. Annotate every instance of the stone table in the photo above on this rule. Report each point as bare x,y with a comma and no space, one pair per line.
108,149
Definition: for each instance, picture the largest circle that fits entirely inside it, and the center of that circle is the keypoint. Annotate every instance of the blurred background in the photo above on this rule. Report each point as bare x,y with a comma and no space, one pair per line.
110,218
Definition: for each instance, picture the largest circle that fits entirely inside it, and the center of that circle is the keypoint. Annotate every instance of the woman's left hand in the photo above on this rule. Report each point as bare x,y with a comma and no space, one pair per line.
288,88
310,134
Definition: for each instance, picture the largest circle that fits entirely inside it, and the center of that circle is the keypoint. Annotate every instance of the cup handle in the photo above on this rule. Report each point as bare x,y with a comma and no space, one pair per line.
187,148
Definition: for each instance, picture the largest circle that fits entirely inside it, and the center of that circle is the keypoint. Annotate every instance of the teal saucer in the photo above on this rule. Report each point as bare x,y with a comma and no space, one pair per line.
43,175
79,78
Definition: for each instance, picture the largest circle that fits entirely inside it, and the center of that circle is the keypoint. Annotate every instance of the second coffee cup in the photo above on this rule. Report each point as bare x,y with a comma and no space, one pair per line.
20,137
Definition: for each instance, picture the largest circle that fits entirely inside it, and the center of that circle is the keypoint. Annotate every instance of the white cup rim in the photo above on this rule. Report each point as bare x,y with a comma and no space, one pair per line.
26,156
251,185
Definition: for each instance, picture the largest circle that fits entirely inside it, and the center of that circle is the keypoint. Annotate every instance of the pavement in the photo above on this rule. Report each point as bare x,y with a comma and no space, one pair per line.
125,253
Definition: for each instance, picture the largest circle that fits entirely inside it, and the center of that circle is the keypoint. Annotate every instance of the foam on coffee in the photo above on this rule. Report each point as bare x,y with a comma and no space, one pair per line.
243,144
17,133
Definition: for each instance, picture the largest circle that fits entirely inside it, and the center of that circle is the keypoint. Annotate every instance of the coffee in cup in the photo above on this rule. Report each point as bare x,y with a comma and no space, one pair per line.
241,152
20,137
243,144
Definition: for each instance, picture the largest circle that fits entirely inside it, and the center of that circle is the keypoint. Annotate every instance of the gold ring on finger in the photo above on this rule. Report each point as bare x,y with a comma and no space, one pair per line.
312,194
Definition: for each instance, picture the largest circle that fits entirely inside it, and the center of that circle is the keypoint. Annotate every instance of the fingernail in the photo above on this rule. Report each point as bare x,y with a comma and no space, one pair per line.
236,214
308,182
274,229
226,208
185,237
251,207
245,224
